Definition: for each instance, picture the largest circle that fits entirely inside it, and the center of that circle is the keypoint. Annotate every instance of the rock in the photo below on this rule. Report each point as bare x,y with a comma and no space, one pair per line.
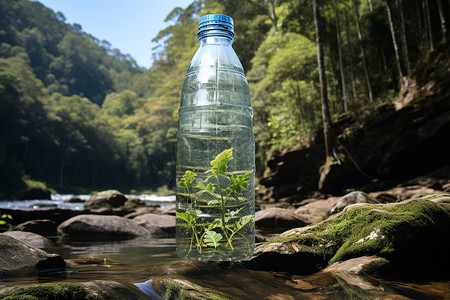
75,199
43,227
159,226
31,239
33,194
358,265
335,176
57,215
277,219
317,211
107,199
17,258
143,210
133,203
175,288
352,198
398,232
94,290
169,210
98,226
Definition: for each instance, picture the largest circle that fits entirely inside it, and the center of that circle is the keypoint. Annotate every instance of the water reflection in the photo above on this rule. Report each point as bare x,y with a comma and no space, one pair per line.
146,262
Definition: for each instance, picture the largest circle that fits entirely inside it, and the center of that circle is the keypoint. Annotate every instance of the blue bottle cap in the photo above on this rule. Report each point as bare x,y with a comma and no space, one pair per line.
215,25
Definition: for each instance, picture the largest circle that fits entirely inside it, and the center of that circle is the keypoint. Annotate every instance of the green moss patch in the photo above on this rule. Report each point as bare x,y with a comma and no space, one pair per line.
182,289
51,291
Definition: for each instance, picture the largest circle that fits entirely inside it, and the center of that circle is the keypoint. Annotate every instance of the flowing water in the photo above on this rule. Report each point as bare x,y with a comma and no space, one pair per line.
142,260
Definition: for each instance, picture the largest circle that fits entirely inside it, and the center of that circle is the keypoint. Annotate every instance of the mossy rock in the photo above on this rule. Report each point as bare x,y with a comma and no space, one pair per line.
410,235
177,288
92,290
56,291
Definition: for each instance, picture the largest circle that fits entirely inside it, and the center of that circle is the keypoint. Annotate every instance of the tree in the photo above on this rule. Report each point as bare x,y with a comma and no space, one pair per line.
330,139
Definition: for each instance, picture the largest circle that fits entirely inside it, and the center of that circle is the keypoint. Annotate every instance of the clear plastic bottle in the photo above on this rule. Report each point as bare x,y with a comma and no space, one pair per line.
216,151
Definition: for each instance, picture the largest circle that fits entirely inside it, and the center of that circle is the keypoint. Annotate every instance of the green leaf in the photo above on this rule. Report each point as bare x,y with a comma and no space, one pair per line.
219,164
189,218
208,187
212,239
187,180
2,222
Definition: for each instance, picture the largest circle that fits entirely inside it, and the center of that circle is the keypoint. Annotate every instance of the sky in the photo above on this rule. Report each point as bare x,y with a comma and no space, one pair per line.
127,25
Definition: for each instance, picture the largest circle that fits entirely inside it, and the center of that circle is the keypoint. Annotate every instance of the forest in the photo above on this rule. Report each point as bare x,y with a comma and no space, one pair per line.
77,114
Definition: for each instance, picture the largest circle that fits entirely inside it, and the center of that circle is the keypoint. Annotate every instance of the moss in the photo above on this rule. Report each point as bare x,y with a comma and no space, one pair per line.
396,232
54,291
377,266
176,290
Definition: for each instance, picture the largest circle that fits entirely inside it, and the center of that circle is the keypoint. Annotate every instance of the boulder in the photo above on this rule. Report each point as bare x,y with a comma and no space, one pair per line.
108,199
33,194
75,199
399,232
358,266
31,239
99,226
43,227
94,290
133,203
276,219
316,211
57,215
352,198
17,258
159,226
144,210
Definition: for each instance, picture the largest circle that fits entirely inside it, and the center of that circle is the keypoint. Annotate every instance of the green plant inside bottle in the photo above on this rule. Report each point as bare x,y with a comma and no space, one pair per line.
222,192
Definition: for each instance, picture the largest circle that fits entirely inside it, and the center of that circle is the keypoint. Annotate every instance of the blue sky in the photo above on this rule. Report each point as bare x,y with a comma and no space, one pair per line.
128,25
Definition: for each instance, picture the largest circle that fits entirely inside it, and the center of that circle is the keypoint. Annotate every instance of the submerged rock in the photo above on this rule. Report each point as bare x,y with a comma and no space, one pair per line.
99,226
17,258
106,199
410,235
93,290
31,239
159,226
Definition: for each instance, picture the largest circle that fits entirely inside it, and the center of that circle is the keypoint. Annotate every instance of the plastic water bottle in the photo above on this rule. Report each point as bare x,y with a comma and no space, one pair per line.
216,151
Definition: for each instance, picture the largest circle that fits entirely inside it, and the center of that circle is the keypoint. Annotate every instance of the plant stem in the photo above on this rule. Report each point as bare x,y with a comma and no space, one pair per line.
222,211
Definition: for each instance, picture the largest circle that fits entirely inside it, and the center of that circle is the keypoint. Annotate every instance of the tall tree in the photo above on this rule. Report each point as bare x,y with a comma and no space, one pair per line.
330,139
394,40
404,41
363,53
341,60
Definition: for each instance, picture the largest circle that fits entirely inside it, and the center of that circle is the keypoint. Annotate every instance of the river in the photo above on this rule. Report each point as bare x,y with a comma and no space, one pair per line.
140,261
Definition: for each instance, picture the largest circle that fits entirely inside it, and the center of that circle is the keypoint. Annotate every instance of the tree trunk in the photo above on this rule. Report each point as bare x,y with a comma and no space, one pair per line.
350,50
370,5
341,60
441,16
330,140
273,15
404,42
420,27
394,41
366,72
428,23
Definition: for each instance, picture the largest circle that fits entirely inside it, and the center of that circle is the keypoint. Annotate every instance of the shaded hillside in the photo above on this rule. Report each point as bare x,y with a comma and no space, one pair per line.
393,143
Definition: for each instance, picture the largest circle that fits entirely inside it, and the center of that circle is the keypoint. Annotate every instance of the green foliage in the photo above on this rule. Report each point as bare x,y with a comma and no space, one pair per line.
75,112
203,235
4,220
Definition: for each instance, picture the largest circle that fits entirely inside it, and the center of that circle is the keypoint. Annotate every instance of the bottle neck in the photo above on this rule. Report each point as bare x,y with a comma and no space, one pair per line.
215,39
